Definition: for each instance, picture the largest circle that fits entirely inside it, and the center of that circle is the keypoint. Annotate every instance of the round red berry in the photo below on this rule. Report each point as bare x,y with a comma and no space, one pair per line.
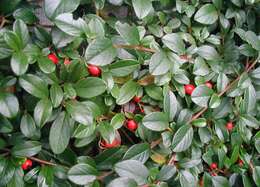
131,125
213,166
115,143
94,70
229,126
214,174
67,62
53,58
240,162
27,164
189,88
209,84
137,99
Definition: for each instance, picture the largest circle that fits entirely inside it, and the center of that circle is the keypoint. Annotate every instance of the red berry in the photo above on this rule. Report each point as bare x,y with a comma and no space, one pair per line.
229,126
53,58
67,62
213,166
189,88
27,164
209,84
240,162
214,174
94,70
116,142
137,99
131,125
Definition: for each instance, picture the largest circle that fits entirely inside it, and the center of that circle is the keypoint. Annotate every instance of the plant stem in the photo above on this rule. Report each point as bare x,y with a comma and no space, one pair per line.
136,47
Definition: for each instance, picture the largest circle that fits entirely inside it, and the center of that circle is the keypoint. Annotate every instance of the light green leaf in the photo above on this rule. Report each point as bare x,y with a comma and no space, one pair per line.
70,26
201,95
42,112
207,14
132,169
127,92
19,63
182,138
100,52
53,8
156,121
142,8
174,42
9,105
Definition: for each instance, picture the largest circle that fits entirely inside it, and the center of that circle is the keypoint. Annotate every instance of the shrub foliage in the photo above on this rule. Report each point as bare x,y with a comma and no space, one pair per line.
129,93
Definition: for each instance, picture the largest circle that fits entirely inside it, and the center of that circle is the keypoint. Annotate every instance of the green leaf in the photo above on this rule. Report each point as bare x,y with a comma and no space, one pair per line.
132,169
174,42
160,63
256,175
187,179
100,52
201,95
166,172
200,67
155,92
27,126
214,101
83,131
70,26
9,105
222,82
249,102
220,181
142,8
200,122
90,87
79,112
34,85
6,125
42,112
208,52
60,133
25,14
26,149
82,174
7,170
170,105
129,33
46,65
124,67
17,179
122,181
22,32
109,157
19,63
53,8
56,95
117,121
127,92
140,152
249,120
13,40
182,138
107,132
253,40
46,176
156,121
207,14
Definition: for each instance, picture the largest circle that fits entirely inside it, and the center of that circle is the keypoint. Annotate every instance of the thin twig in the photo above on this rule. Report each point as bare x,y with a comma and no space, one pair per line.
135,47
127,136
42,161
104,175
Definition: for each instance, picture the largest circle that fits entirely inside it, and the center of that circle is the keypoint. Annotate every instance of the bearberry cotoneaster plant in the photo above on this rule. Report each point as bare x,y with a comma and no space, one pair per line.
129,93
